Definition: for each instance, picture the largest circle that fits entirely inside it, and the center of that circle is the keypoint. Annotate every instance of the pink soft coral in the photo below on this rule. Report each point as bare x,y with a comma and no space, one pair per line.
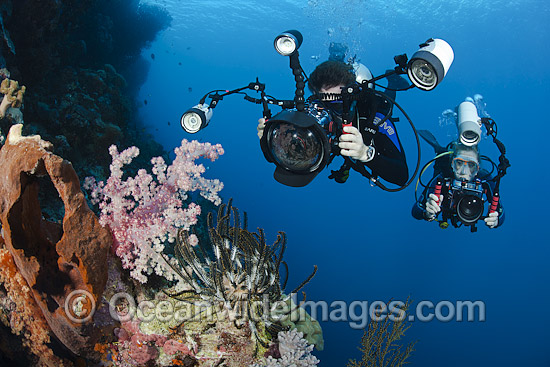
143,212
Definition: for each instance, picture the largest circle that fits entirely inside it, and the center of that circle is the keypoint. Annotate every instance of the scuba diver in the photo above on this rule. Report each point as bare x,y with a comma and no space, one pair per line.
459,186
381,151
345,115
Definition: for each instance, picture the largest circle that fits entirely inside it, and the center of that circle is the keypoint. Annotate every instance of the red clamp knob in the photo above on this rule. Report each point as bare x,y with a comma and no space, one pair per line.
344,125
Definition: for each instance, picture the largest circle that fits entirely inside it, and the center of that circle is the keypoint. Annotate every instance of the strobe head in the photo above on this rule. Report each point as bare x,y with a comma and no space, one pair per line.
429,65
196,118
469,209
469,124
288,42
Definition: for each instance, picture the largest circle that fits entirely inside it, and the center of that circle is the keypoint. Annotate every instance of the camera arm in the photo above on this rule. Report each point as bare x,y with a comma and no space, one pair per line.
504,163
400,69
300,78
215,96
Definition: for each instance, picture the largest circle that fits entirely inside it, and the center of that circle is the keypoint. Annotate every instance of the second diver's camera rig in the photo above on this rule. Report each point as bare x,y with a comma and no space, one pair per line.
463,202
301,140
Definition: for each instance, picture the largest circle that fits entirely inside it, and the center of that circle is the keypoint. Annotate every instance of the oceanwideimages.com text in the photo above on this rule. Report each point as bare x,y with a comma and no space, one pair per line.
123,307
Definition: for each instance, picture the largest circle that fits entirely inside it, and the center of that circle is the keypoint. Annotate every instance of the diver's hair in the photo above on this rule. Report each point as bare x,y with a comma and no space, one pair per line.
459,147
330,74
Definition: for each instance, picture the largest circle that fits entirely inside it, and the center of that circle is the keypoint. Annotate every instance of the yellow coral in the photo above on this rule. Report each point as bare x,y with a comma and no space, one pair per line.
380,342
13,95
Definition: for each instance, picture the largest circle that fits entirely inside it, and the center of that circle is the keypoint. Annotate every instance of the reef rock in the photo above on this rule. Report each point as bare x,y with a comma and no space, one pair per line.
55,259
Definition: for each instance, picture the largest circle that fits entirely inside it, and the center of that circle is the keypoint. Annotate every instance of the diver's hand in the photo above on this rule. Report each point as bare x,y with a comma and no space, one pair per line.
491,220
351,145
433,206
261,127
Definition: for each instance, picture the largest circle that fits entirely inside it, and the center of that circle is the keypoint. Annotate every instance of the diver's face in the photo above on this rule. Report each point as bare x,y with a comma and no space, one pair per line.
465,165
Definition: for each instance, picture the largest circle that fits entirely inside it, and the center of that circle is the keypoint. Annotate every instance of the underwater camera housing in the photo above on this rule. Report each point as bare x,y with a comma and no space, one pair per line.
300,143
466,204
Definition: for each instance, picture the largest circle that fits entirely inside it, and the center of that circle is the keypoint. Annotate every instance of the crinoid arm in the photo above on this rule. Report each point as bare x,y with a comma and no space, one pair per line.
302,285
235,271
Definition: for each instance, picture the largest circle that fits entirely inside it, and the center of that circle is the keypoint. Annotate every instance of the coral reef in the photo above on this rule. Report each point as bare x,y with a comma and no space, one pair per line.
89,33
241,278
164,331
88,113
54,259
379,343
144,212
230,323
25,317
118,30
10,106
217,303
5,35
293,349
13,97
81,63
300,320
199,342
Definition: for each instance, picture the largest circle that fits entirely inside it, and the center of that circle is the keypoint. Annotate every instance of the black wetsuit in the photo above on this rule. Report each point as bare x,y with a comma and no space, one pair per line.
389,161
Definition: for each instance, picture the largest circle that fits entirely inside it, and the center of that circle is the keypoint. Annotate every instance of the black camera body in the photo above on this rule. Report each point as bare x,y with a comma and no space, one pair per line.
465,203
360,106
301,143
332,127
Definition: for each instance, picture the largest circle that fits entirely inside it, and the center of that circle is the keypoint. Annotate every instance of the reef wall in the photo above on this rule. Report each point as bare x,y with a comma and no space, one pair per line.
81,64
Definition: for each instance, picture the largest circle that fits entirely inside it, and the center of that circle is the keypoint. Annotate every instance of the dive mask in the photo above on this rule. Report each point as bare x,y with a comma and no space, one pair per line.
465,168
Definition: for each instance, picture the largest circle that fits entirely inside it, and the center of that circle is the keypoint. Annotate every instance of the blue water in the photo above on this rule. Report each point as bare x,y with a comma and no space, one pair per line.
364,240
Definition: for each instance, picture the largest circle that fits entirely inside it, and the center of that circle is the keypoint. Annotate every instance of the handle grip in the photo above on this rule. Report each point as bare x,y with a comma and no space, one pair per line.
494,203
437,190
344,125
